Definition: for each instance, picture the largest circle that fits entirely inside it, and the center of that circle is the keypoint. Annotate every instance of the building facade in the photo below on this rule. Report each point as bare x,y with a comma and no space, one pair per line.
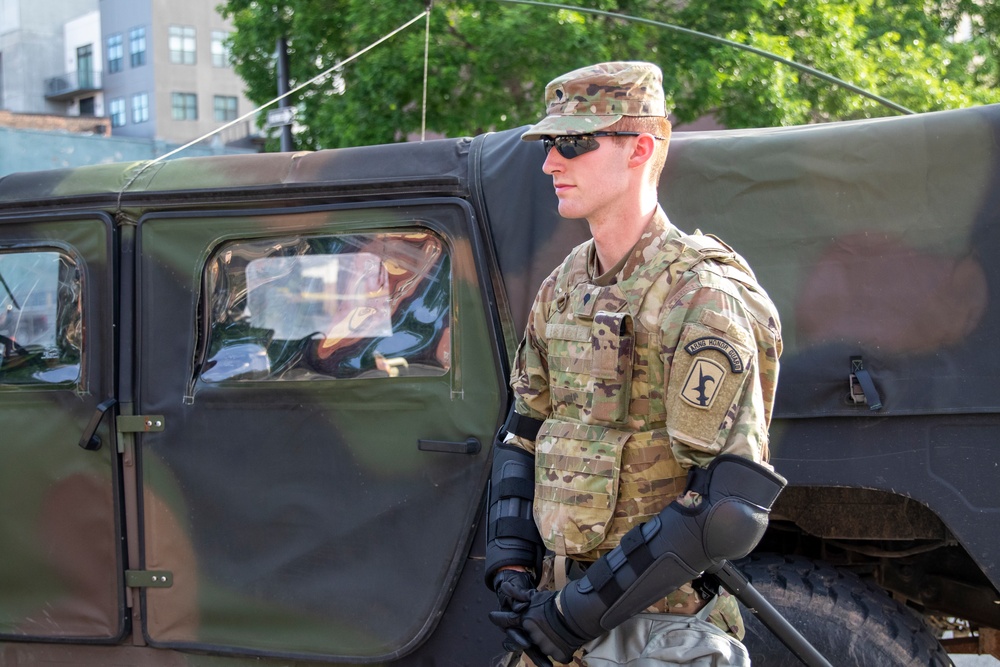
150,69
166,71
33,52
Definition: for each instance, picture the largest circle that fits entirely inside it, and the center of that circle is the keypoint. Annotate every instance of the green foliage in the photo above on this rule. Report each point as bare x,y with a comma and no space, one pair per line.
490,60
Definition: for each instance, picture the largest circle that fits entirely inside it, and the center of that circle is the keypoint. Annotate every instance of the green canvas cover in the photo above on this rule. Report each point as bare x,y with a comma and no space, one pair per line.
873,238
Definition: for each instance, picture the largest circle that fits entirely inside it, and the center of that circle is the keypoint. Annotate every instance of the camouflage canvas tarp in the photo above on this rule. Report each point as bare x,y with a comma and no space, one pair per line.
872,237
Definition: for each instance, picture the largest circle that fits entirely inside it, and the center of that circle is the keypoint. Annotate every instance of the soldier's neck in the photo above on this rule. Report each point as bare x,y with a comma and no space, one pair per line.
615,234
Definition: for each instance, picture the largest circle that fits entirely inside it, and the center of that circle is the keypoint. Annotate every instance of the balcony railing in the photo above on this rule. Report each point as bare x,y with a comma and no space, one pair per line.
72,84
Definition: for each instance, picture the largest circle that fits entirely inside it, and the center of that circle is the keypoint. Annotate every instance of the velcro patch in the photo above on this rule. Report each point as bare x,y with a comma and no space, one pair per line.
715,343
703,383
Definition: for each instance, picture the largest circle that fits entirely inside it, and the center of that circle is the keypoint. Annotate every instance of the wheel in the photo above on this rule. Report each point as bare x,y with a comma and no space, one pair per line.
850,622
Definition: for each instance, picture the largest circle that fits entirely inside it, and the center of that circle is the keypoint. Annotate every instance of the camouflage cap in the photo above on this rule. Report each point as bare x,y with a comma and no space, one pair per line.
595,97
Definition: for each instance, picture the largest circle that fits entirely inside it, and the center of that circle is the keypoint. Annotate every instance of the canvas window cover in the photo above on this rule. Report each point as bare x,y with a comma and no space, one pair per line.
365,305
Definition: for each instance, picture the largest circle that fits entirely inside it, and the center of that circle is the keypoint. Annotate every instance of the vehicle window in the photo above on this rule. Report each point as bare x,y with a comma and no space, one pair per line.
341,306
41,322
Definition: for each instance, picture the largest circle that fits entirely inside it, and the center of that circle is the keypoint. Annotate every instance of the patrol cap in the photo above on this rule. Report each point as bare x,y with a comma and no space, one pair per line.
597,96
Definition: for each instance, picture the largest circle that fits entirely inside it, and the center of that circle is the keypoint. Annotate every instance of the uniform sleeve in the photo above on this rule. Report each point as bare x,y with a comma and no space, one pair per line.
714,394
529,378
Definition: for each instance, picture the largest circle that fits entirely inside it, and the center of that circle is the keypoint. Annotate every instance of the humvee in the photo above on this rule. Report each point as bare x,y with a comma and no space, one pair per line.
247,403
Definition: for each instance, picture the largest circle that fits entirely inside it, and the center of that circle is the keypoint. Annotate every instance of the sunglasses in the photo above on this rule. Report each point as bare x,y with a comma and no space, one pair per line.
575,145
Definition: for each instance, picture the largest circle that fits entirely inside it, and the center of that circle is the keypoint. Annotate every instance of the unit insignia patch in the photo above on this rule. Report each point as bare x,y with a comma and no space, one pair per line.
723,346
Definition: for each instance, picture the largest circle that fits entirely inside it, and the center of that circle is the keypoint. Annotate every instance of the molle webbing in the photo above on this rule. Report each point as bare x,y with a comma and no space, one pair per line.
650,480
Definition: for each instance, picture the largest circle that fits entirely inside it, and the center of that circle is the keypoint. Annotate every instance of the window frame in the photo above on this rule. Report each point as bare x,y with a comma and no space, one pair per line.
137,46
220,48
227,110
117,112
116,53
140,108
427,355
184,106
182,43
63,254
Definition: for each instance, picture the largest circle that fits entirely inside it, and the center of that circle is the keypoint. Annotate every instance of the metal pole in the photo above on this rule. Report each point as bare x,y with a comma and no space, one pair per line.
286,130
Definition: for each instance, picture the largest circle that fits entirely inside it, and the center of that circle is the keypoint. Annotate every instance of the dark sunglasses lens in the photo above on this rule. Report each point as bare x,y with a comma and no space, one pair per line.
573,146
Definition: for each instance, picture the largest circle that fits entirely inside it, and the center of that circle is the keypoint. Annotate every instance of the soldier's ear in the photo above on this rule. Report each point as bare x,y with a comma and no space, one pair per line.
642,150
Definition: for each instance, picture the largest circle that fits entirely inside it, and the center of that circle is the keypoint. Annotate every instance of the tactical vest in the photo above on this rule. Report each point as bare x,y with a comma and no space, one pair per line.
603,457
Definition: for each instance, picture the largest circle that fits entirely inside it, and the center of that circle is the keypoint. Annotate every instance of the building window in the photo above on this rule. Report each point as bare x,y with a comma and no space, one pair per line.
140,108
184,106
225,108
137,46
116,54
220,49
117,111
182,45
85,66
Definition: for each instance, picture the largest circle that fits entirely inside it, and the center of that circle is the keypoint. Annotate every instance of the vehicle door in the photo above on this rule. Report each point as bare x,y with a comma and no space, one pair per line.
328,381
60,571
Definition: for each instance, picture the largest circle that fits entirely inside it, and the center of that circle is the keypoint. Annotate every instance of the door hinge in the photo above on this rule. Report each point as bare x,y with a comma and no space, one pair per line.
149,578
139,423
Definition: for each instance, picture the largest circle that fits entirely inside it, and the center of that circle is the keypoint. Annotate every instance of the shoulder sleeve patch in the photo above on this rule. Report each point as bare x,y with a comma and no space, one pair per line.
708,377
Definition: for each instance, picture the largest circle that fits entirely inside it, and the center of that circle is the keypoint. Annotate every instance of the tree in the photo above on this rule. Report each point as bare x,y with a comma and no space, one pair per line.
490,60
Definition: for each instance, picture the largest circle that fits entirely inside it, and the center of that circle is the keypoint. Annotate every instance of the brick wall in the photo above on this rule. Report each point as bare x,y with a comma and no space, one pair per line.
53,123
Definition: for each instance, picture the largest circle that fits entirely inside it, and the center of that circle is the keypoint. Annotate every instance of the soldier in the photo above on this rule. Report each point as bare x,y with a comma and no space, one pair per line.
635,453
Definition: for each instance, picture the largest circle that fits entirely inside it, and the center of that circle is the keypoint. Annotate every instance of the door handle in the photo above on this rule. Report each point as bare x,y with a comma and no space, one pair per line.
90,440
470,446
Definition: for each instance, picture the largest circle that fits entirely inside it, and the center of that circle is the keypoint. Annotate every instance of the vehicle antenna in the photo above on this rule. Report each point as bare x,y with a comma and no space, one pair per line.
720,40
319,77
427,48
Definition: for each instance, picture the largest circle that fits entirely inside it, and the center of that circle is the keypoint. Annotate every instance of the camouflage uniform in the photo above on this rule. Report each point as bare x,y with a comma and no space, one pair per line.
667,360
663,362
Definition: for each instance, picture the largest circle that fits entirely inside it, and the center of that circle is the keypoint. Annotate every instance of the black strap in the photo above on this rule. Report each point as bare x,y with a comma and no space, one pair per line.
698,480
516,487
521,426
636,551
512,526
602,578
864,378
707,586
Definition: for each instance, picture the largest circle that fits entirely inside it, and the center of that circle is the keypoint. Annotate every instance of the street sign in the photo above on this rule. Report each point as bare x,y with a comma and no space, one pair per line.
280,117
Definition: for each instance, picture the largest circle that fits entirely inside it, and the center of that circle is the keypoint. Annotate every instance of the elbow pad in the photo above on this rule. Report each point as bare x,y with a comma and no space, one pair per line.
512,537
676,546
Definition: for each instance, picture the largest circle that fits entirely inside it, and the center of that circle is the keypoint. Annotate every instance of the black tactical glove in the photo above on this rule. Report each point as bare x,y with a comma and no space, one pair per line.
540,625
516,580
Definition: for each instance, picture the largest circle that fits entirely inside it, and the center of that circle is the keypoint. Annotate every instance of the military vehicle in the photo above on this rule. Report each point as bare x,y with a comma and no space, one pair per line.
247,403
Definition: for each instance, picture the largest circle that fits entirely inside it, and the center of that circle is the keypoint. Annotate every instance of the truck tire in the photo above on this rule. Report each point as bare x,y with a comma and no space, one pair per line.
850,622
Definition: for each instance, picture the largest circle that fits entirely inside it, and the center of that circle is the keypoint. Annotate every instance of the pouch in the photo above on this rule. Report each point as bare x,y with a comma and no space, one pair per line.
613,342
577,474
654,640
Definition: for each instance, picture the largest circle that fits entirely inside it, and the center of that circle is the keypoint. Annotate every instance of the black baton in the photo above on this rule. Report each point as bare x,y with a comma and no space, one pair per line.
736,583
